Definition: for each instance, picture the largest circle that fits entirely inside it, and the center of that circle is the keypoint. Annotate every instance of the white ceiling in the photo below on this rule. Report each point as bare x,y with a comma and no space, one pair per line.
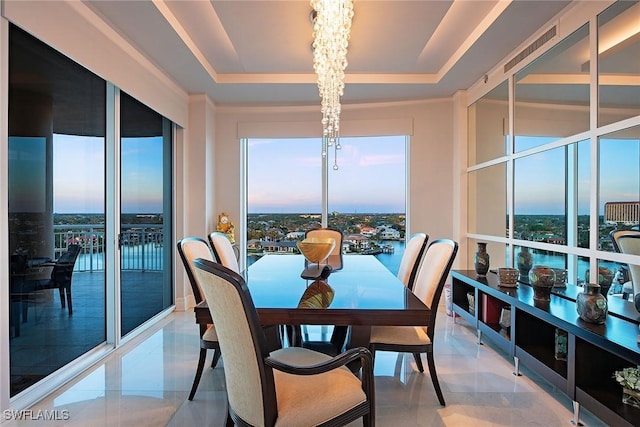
243,52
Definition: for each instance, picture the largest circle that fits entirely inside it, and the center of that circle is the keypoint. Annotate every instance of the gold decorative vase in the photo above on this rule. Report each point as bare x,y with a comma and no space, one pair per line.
316,250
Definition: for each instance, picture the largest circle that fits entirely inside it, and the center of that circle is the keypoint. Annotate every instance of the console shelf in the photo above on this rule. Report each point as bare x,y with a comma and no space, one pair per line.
583,365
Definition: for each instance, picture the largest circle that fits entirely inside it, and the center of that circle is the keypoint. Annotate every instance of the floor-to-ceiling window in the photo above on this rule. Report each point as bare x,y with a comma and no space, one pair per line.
542,173
145,213
56,201
59,195
366,195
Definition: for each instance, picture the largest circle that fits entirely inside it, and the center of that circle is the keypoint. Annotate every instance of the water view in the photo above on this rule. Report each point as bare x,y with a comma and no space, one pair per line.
391,260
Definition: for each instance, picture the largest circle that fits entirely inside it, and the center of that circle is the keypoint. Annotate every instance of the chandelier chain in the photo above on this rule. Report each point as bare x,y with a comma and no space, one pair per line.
331,32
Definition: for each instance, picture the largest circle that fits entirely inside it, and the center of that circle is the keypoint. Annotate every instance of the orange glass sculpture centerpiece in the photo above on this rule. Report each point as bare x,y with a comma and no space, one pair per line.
316,250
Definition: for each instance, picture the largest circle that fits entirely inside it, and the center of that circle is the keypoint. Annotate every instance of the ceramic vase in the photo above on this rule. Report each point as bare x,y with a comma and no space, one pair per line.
525,262
542,279
561,344
591,304
481,260
605,277
505,318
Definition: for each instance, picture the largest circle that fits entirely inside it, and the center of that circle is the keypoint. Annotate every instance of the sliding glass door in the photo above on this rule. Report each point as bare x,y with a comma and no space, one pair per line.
145,213
63,289
56,208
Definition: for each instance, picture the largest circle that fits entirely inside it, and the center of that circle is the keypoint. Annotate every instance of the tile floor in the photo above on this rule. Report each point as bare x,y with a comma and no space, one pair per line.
147,384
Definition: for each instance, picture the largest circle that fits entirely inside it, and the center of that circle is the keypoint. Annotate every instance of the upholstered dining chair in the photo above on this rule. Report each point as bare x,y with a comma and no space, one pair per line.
335,258
190,249
410,261
628,242
290,386
428,286
223,250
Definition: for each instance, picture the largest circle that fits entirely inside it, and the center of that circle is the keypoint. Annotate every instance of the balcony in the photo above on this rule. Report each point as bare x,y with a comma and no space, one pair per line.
45,337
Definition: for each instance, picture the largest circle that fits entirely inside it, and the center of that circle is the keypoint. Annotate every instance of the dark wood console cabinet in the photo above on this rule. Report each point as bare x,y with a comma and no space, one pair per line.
593,352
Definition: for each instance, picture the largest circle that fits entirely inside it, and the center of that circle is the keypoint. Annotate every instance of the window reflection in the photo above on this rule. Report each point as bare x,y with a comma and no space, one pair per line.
488,125
145,230
614,278
619,185
56,204
540,197
538,257
618,64
552,93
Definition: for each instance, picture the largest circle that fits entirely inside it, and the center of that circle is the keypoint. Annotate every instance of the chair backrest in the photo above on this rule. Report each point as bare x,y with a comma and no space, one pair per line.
629,243
335,258
431,277
18,264
250,386
616,234
62,272
190,249
223,250
411,258
71,255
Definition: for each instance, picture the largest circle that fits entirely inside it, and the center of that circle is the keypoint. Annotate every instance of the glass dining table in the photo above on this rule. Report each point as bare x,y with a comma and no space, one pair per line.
364,293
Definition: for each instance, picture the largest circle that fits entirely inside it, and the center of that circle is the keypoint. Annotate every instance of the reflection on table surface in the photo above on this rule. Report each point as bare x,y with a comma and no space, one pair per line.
274,282
318,295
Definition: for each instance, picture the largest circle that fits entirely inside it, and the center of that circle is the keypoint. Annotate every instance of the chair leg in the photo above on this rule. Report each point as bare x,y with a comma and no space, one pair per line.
216,357
368,421
62,301
196,380
418,360
294,335
69,303
434,377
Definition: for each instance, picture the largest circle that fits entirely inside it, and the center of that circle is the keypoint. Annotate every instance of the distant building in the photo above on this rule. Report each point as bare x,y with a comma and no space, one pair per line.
254,245
627,213
390,234
356,242
280,247
368,231
295,235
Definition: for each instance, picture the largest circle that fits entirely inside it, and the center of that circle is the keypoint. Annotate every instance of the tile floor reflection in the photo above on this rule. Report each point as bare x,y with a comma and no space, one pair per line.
147,385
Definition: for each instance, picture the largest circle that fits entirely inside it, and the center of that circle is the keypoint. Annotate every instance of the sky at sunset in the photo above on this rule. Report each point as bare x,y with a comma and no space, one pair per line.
284,175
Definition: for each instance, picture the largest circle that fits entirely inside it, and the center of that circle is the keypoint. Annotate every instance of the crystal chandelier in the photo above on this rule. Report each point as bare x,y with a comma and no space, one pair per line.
331,27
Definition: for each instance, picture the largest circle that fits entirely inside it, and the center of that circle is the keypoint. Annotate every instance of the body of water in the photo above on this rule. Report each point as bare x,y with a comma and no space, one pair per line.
389,260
